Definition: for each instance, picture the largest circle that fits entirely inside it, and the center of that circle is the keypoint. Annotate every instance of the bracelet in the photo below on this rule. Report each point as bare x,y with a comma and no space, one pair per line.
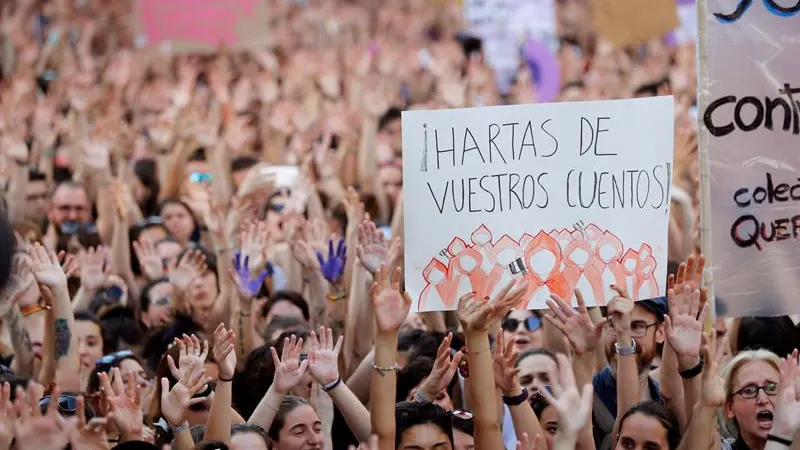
688,374
419,397
179,429
224,380
337,297
625,351
516,400
383,370
34,309
779,440
471,353
332,385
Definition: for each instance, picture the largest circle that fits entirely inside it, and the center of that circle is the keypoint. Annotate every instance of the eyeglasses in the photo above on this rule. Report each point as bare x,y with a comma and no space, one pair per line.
200,177
67,403
78,228
532,323
106,363
161,301
638,328
149,222
751,392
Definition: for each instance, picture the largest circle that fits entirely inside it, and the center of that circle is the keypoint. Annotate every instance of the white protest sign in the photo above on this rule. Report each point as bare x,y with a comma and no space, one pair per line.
753,125
564,194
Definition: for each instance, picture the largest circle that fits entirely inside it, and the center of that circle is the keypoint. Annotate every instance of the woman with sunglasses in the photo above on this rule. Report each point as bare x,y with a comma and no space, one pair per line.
523,328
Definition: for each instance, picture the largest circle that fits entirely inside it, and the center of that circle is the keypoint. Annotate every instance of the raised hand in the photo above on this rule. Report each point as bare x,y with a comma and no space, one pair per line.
149,261
372,444
332,267
124,402
372,250
479,314
620,309
32,429
527,444
19,281
225,351
89,435
582,333
444,368
323,358
254,237
391,307
713,392
191,353
573,406
691,273
91,262
191,266
175,401
504,365
787,408
7,415
288,368
240,274
46,268
684,330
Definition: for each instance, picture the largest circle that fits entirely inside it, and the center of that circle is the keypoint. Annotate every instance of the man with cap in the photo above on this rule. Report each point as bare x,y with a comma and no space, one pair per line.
643,340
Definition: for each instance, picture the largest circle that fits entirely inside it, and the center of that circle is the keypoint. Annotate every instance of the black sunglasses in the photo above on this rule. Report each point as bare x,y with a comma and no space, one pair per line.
532,323
67,405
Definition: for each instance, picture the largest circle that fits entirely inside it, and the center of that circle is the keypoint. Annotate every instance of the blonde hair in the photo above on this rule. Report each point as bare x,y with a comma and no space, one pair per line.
728,373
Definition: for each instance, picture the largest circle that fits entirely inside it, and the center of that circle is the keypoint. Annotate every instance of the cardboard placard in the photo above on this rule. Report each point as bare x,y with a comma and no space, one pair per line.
631,22
565,195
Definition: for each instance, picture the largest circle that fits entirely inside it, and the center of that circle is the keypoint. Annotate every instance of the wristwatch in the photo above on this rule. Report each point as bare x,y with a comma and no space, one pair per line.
625,351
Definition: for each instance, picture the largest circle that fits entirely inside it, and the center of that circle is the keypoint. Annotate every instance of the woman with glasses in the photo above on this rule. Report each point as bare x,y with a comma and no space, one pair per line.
751,386
524,328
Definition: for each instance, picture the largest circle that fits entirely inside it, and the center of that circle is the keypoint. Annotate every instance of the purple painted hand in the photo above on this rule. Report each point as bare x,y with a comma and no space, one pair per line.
333,268
246,282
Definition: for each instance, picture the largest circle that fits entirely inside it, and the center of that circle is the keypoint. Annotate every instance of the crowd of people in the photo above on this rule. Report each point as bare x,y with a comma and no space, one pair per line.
209,252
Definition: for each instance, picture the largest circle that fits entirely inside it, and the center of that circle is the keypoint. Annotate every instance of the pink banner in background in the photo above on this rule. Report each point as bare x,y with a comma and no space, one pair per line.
199,23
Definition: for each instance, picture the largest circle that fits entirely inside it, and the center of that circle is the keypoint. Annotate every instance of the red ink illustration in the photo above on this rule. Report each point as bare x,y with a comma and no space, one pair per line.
554,262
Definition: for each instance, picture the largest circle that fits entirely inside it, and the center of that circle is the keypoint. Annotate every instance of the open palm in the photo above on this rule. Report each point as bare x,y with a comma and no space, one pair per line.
289,370
684,329
391,307
582,333
175,401
323,357
372,249
46,268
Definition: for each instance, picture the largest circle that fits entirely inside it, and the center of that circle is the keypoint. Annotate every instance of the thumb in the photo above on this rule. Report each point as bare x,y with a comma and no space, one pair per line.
598,327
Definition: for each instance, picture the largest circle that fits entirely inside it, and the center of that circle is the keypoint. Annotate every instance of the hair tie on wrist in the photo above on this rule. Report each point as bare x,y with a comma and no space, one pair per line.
332,385
224,380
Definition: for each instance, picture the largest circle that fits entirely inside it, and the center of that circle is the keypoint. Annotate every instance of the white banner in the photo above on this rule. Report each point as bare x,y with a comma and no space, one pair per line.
754,137
565,194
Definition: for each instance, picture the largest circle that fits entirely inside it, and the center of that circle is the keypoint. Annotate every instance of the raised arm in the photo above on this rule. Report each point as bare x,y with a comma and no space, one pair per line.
48,272
218,424
507,381
574,406
619,311
288,373
323,365
700,432
684,333
476,317
18,284
583,335
391,309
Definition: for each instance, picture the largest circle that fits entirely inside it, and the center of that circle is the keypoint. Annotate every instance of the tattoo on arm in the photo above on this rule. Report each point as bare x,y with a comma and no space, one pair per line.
19,335
63,336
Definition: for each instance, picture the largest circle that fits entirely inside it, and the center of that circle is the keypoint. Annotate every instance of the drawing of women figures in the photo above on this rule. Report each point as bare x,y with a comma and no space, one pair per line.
543,263
645,285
